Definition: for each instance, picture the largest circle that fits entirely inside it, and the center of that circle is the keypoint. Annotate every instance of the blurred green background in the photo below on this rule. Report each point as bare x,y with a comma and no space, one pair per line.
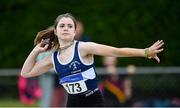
120,23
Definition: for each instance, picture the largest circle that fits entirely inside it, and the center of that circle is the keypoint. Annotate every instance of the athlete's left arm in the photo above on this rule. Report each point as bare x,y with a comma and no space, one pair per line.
104,50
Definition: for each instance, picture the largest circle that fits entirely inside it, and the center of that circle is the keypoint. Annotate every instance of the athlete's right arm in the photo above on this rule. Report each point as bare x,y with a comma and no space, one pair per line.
32,67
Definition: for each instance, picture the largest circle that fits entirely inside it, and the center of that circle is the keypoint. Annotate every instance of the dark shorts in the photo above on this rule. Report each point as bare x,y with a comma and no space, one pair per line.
94,99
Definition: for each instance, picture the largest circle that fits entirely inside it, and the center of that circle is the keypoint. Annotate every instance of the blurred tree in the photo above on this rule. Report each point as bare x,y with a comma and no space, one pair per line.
121,23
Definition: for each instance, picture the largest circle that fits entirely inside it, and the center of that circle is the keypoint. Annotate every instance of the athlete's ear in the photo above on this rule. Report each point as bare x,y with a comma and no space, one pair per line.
55,32
74,33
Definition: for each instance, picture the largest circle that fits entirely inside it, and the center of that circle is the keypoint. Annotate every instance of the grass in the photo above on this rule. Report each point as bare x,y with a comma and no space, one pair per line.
9,102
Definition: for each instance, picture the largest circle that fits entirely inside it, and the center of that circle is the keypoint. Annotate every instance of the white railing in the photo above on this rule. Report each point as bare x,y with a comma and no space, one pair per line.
102,71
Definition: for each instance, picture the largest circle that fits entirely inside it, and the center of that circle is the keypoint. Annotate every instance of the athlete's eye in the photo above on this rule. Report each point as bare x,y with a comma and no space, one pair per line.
70,25
61,25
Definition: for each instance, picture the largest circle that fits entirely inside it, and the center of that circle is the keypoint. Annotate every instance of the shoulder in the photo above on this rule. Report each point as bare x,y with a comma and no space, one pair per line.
86,45
81,43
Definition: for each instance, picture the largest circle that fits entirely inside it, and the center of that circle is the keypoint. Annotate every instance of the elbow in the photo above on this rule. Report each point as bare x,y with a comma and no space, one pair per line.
24,75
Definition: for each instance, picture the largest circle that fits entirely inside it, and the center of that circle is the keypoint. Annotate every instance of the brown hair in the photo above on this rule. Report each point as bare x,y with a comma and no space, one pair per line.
49,33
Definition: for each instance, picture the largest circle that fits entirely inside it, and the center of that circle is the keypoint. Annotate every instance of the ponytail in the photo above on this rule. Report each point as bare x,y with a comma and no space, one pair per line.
47,34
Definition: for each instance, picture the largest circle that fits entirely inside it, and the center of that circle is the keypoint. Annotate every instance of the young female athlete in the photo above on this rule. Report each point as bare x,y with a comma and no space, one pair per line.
73,60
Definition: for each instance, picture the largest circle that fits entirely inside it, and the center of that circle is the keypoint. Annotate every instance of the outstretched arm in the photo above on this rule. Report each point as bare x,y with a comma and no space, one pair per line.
104,50
33,68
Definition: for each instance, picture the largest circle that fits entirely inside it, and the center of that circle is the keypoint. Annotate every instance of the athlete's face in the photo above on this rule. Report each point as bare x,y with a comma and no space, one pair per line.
65,29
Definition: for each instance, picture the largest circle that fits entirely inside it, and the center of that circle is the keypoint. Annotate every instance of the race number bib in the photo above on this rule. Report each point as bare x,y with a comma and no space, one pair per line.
75,87
74,84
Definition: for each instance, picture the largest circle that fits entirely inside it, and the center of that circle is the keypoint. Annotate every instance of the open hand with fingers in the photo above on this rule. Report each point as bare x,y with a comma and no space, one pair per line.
153,50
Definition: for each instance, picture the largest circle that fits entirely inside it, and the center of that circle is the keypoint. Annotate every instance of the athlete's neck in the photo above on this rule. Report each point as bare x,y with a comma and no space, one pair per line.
65,45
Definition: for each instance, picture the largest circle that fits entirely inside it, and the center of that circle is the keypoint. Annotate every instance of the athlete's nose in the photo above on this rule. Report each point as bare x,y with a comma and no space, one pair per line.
65,28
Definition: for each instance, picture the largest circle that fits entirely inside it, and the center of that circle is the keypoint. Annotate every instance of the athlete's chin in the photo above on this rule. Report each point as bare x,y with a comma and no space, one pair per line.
67,38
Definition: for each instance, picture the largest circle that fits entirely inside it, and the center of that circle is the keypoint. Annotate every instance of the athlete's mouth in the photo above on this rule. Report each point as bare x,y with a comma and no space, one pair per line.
65,34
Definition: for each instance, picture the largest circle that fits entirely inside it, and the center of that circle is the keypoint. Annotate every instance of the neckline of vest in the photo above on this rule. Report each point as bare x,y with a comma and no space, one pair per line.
72,56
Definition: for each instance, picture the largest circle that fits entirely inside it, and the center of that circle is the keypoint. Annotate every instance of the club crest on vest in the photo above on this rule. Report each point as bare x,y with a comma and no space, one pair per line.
74,64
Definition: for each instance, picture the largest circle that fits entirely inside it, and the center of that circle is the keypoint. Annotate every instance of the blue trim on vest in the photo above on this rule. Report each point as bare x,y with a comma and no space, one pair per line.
72,78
